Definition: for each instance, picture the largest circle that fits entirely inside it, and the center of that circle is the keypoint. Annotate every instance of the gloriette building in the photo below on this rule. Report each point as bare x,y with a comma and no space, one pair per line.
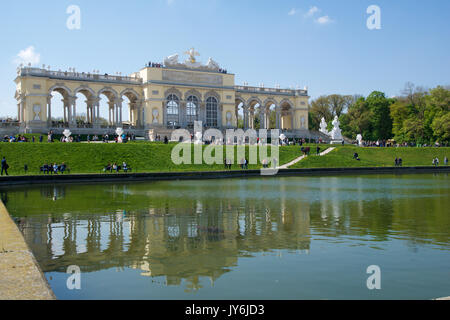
162,97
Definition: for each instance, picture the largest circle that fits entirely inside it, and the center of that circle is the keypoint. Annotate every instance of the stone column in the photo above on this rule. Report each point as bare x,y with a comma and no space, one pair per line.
118,121
292,120
182,114
262,118
220,116
74,110
49,111
111,113
278,121
245,110
202,113
131,112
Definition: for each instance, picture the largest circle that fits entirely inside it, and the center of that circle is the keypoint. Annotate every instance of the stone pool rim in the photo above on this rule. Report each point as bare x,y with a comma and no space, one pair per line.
205,175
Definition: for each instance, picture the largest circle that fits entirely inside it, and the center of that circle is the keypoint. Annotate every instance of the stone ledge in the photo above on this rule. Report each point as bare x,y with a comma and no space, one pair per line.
20,276
199,175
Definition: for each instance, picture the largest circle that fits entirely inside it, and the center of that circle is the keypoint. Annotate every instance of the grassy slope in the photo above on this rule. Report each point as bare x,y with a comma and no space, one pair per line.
374,157
91,158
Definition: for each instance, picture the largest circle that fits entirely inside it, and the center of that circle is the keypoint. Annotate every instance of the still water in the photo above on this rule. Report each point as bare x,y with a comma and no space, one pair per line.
262,238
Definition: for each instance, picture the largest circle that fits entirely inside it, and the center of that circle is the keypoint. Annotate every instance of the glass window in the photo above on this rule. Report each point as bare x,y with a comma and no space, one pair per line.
191,110
172,111
211,112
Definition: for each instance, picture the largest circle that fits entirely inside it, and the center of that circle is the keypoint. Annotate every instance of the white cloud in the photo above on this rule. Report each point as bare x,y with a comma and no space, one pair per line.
312,11
292,12
324,20
26,56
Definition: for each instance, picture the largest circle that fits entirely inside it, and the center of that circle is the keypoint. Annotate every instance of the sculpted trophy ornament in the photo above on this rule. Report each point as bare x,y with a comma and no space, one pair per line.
229,118
37,111
155,116
192,54
191,61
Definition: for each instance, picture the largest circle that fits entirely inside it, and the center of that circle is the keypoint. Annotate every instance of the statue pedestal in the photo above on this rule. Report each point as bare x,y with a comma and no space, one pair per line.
336,141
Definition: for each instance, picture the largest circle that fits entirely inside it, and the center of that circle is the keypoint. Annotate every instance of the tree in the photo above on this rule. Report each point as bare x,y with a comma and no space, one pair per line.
441,128
319,109
339,104
380,115
357,120
399,113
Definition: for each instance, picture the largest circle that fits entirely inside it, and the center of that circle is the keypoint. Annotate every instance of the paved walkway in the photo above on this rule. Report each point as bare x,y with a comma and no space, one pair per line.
286,166
20,276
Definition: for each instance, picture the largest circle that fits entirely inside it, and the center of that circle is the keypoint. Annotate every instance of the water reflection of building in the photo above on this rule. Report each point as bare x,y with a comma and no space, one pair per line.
206,239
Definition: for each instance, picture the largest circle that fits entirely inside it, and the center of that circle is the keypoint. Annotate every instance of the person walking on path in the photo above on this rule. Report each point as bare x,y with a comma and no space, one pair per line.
5,166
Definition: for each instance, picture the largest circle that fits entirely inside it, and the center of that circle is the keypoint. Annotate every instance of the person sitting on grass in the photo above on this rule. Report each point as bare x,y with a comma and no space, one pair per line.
125,167
108,168
356,156
446,161
25,168
115,167
55,168
318,151
396,162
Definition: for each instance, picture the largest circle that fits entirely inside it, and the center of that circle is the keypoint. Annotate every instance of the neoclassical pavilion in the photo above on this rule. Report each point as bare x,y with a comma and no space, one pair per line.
160,98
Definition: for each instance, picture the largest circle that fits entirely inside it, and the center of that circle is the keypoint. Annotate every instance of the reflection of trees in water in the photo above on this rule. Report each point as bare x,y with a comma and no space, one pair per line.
171,242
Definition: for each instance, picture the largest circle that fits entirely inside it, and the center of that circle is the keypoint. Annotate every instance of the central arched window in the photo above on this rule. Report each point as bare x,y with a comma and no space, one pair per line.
211,112
173,118
191,110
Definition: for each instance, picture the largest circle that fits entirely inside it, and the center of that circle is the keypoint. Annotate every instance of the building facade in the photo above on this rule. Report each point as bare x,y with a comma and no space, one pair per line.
162,97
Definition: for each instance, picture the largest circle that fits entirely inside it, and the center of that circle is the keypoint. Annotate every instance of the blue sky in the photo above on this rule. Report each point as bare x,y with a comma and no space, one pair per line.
270,42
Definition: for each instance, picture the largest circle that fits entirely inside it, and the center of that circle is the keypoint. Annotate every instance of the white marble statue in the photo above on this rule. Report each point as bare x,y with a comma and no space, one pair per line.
67,133
359,138
323,127
198,138
171,60
119,132
336,133
212,64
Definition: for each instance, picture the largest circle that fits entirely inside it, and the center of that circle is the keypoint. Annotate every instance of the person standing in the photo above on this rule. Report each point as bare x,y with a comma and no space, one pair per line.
446,161
5,166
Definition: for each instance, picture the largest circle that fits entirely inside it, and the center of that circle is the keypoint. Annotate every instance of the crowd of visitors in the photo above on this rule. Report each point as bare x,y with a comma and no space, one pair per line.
117,168
154,65
51,168
392,143
74,138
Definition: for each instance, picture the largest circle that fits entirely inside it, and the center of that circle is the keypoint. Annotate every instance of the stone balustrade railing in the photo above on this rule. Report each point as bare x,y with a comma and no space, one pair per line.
38,72
290,92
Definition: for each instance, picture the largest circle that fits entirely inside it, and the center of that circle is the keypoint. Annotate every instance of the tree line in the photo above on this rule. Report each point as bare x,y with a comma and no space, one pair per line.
417,115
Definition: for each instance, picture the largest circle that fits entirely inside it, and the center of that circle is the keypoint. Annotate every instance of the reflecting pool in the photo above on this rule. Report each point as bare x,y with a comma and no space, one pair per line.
259,238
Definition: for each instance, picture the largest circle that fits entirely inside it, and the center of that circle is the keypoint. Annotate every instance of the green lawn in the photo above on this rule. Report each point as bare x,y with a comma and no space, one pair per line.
342,157
92,158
